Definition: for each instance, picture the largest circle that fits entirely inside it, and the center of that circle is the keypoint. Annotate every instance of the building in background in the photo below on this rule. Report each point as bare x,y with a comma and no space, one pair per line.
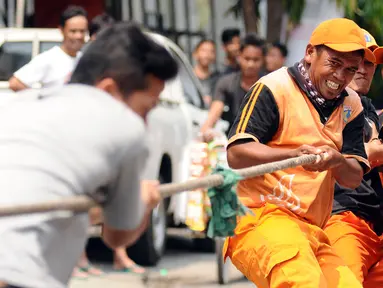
184,21
314,13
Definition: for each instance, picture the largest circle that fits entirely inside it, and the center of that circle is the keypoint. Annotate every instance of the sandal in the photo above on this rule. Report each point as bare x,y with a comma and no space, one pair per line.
91,270
135,269
79,274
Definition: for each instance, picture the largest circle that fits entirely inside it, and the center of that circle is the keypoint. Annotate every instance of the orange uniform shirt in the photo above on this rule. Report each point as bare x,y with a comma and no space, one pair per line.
277,112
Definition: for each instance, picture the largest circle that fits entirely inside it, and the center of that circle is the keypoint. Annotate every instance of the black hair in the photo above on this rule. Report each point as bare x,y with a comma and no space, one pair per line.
70,12
281,47
204,40
228,35
253,40
124,53
100,22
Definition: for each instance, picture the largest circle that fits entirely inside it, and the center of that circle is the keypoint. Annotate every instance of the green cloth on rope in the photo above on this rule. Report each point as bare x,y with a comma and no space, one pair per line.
225,205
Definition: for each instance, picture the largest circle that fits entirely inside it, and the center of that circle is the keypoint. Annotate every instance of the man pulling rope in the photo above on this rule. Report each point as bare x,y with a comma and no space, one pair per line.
283,244
86,136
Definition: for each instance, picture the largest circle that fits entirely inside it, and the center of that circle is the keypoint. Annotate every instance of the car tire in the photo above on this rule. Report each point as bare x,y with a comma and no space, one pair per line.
149,249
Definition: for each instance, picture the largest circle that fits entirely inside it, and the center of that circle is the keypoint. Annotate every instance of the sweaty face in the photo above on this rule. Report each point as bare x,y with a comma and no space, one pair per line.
361,82
331,71
205,54
251,61
274,59
74,32
233,47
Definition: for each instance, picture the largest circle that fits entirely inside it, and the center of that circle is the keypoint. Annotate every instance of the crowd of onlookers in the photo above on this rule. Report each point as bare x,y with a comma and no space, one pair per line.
205,52
247,59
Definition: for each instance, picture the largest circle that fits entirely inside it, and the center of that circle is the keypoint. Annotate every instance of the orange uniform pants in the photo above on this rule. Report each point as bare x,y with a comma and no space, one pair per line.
354,240
277,249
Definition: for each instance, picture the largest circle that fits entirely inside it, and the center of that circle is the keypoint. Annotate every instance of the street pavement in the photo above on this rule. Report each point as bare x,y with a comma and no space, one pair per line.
182,267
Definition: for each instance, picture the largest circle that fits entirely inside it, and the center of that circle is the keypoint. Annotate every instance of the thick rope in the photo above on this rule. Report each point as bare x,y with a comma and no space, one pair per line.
84,203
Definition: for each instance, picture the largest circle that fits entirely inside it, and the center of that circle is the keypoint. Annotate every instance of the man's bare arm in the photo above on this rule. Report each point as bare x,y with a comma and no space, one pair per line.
215,113
117,238
349,173
16,85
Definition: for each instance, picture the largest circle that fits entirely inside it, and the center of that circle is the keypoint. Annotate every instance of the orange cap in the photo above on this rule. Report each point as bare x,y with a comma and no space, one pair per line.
374,47
342,35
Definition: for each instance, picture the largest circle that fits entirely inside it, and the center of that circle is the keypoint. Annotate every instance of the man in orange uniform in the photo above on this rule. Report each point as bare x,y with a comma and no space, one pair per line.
304,109
357,220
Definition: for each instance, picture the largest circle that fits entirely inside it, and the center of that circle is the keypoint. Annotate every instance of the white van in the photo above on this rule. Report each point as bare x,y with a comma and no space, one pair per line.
173,126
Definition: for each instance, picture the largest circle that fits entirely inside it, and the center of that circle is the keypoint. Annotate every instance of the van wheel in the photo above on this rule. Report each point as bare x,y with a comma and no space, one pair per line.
149,249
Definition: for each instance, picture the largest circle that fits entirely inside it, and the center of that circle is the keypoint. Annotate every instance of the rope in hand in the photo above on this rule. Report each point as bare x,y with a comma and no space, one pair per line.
221,183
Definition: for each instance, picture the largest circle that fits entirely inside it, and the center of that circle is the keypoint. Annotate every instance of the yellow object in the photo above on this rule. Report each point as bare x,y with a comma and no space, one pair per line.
275,248
204,158
355,241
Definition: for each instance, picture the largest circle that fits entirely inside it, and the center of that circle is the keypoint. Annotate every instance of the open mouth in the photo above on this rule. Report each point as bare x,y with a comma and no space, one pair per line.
332,85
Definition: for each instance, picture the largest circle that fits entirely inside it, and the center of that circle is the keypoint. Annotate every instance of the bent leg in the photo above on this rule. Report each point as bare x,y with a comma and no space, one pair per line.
354,241
273,251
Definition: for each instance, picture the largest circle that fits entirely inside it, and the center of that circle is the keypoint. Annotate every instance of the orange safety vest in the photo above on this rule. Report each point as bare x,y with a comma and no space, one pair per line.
308,194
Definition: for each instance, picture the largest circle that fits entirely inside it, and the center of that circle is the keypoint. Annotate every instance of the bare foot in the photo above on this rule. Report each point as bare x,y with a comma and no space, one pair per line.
91,270
129,266
79,274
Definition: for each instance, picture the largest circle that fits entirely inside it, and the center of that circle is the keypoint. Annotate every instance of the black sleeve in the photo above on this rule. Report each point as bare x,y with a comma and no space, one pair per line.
353,143
258,116
370,111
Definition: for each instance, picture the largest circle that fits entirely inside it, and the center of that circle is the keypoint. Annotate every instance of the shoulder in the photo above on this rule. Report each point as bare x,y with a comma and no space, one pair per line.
276,78
120,123
49,54
351,106
226,80
277,83
367,103
353,100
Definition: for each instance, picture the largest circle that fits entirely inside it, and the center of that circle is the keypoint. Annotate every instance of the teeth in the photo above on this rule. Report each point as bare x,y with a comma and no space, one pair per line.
332,85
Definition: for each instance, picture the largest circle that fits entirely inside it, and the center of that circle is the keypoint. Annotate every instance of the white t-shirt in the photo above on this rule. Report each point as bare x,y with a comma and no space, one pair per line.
50,69
69,143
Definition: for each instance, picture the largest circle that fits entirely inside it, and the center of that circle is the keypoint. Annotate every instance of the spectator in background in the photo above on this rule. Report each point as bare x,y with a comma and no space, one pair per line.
231,89
99,23
276,56
204,55
53,67
231,43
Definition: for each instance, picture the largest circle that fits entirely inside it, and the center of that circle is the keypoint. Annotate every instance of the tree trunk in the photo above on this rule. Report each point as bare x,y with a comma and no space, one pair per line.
274,20
249,17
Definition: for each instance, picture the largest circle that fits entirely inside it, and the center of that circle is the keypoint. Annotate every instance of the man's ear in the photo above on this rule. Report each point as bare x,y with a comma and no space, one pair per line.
110,86
310,51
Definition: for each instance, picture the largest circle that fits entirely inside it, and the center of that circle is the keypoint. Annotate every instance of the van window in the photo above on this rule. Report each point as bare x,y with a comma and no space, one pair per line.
13,55
46,45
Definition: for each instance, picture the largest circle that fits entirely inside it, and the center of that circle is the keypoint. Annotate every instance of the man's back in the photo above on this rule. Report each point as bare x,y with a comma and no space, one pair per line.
69,143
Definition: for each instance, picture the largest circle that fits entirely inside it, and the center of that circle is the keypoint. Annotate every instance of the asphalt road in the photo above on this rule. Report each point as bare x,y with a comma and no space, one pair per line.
182,266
